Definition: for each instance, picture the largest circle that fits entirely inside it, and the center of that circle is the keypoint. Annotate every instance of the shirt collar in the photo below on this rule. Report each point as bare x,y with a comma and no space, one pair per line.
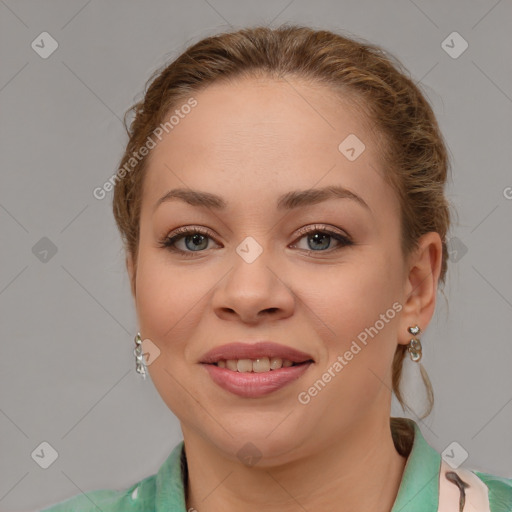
419,488
418,491
170,485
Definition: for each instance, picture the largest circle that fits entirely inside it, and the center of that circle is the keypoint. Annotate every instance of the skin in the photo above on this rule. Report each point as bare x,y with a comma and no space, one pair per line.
250,141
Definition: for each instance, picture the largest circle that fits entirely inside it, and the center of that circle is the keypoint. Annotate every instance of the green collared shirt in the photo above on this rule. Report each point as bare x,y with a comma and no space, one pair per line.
424,488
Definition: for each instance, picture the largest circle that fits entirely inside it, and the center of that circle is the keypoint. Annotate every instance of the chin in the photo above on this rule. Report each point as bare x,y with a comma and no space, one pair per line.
255,447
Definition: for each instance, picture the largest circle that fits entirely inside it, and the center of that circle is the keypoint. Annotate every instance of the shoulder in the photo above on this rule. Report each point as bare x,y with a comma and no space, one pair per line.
166,487
138,497
500,491
473,491
455,489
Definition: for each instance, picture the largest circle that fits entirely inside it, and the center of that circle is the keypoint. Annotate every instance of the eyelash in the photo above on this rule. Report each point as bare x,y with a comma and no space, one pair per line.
169,241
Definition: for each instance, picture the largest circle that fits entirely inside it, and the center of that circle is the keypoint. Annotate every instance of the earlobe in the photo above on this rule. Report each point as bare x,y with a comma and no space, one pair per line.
421,285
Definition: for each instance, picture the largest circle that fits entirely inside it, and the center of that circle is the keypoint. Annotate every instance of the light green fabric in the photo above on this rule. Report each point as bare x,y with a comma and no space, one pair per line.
164,491
500,491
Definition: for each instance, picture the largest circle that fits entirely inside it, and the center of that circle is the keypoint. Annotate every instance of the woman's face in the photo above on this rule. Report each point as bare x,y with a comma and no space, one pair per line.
262,148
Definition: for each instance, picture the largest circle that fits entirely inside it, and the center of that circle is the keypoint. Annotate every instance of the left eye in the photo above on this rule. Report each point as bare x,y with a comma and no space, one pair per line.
320,239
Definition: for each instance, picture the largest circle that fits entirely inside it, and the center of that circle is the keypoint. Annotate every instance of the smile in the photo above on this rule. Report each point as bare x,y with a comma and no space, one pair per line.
249,382
262,364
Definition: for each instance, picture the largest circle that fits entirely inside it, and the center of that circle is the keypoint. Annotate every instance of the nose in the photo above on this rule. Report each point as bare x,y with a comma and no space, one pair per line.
253,292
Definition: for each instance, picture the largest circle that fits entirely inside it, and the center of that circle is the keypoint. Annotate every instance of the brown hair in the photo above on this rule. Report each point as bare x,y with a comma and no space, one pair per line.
414,154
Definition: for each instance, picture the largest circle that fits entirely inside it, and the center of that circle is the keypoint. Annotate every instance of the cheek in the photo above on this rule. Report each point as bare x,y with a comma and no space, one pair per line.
167,299
357,306
355,295
360,305
168,309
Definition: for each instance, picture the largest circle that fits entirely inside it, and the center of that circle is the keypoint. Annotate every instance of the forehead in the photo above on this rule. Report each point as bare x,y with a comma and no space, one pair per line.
238,116
268,136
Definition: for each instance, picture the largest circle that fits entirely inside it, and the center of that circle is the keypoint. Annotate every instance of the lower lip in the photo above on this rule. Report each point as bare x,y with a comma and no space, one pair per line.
253,384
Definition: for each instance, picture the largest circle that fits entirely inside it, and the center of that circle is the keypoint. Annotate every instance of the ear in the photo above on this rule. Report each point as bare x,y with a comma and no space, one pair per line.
130,267
423,270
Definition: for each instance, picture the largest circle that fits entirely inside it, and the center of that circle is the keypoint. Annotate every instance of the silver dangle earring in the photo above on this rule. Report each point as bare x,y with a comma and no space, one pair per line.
414,346
140,364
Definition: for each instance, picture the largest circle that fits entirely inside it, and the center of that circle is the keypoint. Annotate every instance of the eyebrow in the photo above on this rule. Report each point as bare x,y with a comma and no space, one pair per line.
288,201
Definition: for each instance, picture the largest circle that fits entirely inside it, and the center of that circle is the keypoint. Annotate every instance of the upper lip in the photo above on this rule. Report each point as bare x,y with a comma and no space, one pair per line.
240,350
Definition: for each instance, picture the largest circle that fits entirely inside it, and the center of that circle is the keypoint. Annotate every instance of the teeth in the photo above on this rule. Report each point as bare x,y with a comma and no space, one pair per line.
276,363
263,364
232,365
244,365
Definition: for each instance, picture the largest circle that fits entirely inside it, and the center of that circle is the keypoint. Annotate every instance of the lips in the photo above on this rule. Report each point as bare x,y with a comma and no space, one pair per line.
256,350
255,385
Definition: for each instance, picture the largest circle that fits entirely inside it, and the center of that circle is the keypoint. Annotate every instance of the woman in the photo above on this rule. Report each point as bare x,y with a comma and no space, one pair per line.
282,208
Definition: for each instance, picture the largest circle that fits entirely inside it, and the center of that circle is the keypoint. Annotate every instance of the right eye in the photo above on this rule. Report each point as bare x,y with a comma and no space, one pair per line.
195,240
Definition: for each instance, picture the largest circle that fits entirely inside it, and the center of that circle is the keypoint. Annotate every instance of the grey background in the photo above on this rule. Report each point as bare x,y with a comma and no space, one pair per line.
67,324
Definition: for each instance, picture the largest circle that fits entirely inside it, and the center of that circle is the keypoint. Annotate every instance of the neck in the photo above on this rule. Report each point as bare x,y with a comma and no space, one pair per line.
360,471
